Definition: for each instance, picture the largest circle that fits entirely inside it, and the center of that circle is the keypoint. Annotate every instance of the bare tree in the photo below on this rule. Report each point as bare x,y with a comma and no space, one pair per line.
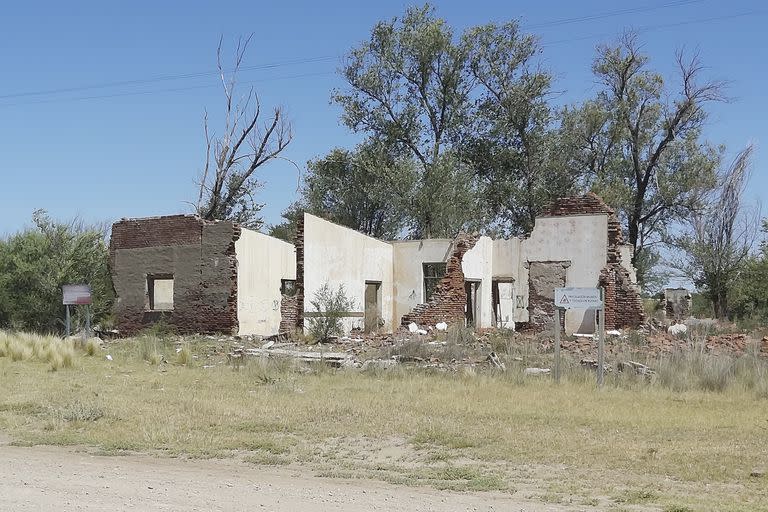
249,140
722,236
641,141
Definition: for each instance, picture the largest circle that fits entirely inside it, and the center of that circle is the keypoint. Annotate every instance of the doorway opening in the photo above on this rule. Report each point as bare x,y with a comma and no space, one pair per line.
373,319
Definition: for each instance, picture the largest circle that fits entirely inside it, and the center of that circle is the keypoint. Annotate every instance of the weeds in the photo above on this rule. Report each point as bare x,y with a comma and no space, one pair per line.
79,411
184,355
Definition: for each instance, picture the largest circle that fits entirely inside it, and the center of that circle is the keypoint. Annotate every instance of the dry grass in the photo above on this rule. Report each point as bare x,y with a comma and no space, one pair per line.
473,430
35,347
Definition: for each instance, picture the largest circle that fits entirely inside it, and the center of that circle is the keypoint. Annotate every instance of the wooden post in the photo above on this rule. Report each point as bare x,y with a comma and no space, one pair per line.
557,344
68,321
601,345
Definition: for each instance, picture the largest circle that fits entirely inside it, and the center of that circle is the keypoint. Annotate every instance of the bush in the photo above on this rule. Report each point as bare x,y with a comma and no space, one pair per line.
37,262
329,307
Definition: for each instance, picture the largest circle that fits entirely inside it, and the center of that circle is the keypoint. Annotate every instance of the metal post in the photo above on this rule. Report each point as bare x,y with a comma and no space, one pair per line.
601,345
68,320
88,321
557,344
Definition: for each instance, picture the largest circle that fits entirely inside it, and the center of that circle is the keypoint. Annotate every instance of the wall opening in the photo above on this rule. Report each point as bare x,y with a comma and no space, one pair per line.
472,312
160,292
288,287
433,273
543,278
373,318
503,296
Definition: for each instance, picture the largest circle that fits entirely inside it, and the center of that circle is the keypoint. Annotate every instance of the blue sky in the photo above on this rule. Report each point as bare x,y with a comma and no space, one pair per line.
134,150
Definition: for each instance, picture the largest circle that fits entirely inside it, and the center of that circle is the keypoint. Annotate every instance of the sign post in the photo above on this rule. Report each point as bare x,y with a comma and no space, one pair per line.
77,295
581,298
557,344
601,345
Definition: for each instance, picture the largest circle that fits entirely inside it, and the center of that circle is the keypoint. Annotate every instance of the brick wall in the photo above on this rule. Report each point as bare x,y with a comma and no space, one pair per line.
623,304
449,300
201,257
298,243
289,313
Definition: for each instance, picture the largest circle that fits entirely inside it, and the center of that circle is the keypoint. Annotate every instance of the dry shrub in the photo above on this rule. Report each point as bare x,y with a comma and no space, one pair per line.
184,356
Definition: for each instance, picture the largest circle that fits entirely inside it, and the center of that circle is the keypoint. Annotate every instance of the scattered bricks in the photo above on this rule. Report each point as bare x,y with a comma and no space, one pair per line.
449,300
727,343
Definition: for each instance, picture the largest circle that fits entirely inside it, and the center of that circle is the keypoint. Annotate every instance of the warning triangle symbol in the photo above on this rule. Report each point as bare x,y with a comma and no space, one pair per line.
565,300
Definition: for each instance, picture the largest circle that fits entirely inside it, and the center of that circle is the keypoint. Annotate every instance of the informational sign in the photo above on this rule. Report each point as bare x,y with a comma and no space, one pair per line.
76,294
578,298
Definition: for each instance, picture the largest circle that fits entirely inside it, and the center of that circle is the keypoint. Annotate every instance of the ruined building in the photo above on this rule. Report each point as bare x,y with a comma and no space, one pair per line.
198,276
214,276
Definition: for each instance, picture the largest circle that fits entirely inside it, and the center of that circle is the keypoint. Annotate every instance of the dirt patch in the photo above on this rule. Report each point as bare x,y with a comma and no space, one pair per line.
61,479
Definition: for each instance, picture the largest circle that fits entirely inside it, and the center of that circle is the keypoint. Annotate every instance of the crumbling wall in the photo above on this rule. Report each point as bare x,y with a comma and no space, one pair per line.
200,256
543,278
677,304
449,299
298,243
623,304
289,313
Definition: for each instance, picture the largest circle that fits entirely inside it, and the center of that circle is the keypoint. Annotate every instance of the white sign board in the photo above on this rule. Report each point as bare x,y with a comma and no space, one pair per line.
578,298
75,294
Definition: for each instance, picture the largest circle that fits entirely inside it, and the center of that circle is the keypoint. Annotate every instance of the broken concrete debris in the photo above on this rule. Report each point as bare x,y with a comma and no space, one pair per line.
677,329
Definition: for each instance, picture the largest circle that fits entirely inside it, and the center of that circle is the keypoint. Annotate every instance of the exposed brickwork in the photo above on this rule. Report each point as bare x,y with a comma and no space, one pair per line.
289,313
623,305
298,243
156,232
201,257
543,278
449,300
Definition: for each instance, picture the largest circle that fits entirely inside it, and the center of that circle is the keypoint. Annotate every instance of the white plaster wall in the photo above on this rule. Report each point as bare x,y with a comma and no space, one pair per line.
262,262
339,256
580,239
507,264
477,265
409,255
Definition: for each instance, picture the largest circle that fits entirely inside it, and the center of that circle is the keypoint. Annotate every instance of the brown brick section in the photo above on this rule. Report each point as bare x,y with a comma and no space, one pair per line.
298,243
289,313
449,300
201,257
156,232
623,305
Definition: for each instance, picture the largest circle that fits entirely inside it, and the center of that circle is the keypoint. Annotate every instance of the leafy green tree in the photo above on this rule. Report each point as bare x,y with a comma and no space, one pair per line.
514,146
367,189
640,142
411,86
750,292
37,262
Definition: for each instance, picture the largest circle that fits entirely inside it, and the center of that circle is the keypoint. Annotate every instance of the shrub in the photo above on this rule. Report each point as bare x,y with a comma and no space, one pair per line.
329,307
184,355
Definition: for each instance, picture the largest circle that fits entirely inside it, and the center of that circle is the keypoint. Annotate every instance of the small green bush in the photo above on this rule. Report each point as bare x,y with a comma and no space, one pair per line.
329,306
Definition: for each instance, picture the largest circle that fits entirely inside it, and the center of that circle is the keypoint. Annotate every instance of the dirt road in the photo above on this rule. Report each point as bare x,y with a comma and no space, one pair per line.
50,478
